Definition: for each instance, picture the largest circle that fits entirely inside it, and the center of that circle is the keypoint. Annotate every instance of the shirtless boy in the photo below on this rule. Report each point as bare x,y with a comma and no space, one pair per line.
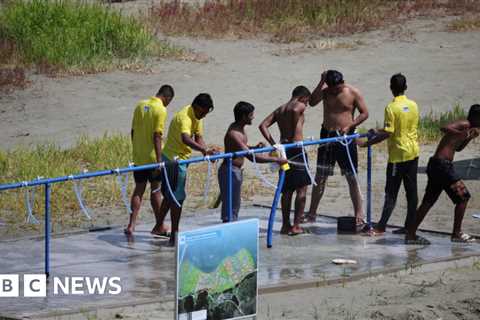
290,119
340,101
236,140
442,176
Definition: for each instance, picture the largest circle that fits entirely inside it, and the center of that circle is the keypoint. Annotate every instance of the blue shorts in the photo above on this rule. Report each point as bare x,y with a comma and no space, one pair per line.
177,177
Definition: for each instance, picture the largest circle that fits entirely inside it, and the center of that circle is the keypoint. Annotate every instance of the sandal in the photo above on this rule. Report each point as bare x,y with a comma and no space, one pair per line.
400,231
417,241
464,238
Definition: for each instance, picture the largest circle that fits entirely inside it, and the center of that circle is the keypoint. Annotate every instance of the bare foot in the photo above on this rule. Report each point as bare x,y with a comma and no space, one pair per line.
129,230
360,221
376,232
285,229
308,219
296,230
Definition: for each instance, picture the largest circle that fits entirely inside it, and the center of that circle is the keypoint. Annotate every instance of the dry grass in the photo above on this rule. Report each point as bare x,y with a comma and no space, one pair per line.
288,21
468,23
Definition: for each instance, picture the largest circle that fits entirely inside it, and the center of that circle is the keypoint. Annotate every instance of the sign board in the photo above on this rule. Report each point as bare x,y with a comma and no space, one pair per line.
217,272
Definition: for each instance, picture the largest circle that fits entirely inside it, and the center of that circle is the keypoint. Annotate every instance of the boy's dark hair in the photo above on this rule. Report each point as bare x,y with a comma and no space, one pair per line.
300,91
242,109
474,115
166,91
333,78
398,83
203,100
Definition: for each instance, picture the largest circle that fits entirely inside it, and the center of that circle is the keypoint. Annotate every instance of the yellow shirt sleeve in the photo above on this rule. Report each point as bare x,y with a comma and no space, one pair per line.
389,120
159,118
185,124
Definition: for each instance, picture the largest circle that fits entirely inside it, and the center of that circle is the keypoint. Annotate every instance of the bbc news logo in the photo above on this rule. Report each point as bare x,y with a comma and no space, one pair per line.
35,285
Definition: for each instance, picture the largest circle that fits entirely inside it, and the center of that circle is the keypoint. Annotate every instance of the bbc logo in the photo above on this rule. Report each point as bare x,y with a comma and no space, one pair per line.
34,285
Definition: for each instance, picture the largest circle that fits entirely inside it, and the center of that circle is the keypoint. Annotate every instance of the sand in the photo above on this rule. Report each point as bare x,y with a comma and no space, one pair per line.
441,67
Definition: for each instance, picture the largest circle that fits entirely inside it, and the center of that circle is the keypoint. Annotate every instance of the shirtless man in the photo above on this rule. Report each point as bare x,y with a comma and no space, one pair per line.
442,176
236,140
339,104
290,119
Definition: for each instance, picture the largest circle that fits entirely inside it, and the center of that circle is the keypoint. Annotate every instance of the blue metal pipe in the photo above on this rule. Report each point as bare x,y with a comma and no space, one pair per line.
47,230
156,165
229,190
369,187
276,198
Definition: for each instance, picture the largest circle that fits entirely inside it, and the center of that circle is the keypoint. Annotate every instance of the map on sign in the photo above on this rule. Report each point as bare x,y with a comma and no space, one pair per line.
217,272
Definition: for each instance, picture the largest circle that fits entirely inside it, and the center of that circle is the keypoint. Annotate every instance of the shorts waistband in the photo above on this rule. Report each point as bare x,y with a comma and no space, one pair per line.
439,160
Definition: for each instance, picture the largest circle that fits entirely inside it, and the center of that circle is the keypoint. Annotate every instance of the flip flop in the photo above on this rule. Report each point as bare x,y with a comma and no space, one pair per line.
293,234
163,234
464,238
417,241
399,231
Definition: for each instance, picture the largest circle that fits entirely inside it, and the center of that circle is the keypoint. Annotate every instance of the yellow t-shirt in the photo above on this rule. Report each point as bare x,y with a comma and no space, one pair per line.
401,120
149,117
184,121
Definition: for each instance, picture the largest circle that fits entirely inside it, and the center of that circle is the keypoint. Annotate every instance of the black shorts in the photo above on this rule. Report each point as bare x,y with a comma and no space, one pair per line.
297,176
143,176
442,177
331,153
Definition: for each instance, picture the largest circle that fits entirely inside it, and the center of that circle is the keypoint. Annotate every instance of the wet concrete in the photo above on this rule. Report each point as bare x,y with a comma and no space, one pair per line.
146,265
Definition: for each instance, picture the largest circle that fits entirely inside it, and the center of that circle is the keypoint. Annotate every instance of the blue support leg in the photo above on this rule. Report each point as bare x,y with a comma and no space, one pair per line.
369,187
276,198
47,230
229,190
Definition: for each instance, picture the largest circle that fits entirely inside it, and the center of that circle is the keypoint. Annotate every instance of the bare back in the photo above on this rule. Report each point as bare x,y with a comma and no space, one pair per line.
452,142
339,104
290,118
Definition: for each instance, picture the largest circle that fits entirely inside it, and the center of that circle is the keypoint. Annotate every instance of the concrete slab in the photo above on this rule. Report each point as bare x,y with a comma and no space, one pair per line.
146,265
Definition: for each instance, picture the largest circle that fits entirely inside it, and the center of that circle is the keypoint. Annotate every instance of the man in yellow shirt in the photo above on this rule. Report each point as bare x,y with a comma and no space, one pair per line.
147,131
185,134
400,128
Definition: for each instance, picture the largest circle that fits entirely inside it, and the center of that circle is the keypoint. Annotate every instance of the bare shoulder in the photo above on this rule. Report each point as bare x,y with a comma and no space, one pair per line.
299,107
352,90
464,124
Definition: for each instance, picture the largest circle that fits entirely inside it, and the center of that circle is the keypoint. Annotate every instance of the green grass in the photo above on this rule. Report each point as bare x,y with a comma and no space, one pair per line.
49,160
75,36
102,195
430,124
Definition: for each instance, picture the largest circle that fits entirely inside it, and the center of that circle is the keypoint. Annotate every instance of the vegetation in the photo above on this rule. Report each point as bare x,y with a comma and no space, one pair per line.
430,124
102,195
73,36
287,20
471,22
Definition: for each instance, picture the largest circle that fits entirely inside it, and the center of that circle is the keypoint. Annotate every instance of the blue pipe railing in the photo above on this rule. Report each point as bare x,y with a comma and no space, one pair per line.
273,210
228,156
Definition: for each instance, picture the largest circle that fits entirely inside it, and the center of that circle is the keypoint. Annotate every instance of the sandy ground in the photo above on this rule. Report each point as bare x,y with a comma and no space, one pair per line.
444,291
442,68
